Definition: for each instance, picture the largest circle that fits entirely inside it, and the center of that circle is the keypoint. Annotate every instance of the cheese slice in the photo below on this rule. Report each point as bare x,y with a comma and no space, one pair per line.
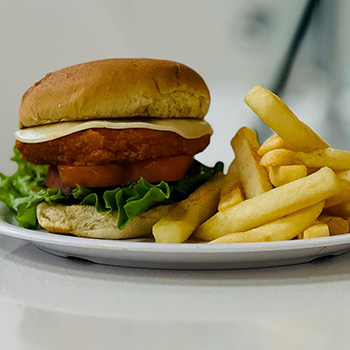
187,128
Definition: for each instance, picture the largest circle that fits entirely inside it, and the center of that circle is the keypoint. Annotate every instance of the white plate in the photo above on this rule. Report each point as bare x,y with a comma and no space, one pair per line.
178,256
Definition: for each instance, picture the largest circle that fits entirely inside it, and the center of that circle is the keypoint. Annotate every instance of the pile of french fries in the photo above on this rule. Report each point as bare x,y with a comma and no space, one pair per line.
293,186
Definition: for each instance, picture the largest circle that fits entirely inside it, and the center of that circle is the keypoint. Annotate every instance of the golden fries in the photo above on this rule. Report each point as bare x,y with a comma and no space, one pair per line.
254,177
274,142
232,191
342,210
282,229
286,173
271,205
278,157
344,175
315,231
178,225
336,225
293,186
342,197
275,114
330,157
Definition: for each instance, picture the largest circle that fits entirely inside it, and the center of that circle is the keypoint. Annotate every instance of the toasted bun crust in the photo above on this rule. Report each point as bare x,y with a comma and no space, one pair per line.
85,221
115,88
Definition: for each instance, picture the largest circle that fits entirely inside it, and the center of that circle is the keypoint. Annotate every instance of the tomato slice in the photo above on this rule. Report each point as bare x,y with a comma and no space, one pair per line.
156,170
161,169
53,180
92,176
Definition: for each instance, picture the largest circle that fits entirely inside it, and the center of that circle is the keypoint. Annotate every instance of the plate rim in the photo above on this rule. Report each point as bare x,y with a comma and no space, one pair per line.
45,237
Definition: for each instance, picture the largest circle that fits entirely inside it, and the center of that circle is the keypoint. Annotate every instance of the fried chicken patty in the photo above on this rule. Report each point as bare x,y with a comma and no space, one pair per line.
104,146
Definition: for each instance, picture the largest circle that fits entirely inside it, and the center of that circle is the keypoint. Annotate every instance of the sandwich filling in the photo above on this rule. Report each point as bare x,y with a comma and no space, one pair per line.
102,157
128,170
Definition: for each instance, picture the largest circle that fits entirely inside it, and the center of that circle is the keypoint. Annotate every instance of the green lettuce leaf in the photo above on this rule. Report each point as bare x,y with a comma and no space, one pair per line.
25,189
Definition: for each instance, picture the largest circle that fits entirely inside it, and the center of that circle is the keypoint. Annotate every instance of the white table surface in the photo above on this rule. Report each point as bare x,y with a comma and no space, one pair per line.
48,302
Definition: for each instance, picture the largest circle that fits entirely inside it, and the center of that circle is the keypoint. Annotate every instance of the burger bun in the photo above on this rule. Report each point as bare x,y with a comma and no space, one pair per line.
85,221
115,88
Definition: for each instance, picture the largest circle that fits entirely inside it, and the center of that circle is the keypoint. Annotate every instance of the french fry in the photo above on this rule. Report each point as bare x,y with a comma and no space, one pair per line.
342,197
271,205
342,210
232,191
253,176
333,158
336,224
279,157
282,229
315,231
301,234
286,173
179,224
344,175
274,142
329,157
275,114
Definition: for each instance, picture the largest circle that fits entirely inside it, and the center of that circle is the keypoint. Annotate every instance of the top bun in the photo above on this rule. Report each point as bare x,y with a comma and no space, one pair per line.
115,88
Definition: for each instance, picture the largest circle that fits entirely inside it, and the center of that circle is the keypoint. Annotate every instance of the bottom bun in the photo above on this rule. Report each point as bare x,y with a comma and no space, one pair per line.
85,221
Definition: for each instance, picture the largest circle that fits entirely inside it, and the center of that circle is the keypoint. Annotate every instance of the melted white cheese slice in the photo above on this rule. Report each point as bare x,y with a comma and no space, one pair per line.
187,128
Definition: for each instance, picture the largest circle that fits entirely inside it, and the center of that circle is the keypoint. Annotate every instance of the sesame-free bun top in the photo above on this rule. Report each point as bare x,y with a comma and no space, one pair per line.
115,88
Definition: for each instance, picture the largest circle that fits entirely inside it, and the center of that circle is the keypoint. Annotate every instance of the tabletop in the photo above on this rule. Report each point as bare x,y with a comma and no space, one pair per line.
49,302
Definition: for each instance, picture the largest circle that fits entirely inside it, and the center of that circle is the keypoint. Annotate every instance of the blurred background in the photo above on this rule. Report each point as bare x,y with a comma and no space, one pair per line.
298,48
